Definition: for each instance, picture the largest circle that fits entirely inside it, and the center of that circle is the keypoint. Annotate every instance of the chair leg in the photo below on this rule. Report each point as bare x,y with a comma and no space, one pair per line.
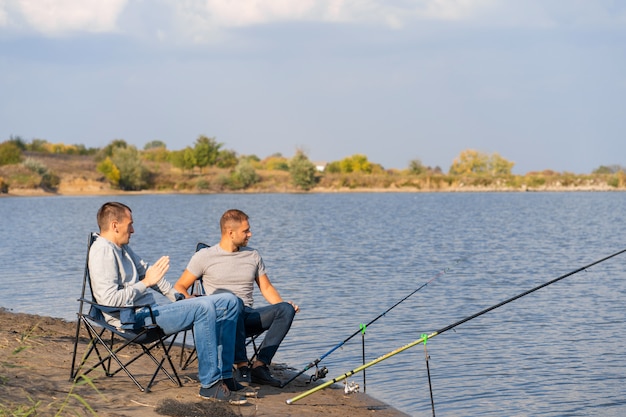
74,369
106,360
192,355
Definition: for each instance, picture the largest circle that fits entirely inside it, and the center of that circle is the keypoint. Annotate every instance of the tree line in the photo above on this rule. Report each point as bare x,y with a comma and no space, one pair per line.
126,167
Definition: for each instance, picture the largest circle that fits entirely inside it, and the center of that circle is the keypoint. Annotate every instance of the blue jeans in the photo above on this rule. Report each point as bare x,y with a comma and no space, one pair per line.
275,319
214,321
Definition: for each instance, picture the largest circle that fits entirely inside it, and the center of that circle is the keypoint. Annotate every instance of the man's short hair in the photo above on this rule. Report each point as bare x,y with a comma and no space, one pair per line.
111,211
232,216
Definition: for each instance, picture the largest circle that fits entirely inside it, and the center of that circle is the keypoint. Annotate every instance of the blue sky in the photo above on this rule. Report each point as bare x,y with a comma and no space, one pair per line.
541,82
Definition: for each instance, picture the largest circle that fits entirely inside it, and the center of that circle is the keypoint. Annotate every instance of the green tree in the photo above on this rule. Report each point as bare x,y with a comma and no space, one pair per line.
479,163
133,174
416,167
184,159
154,144
38,145
17,140
206,151
245,174
276,163
302,171
155,151
156,154
498,166
110,148
333,167
470,162
110,171
610,169
356,163
226,159
10,153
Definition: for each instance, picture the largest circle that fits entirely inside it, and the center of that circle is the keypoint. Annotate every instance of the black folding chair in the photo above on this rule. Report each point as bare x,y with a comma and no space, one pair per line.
198,289
107,344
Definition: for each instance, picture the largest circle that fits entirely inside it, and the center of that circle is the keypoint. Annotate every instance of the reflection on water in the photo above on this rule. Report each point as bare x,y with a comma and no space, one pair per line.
347,258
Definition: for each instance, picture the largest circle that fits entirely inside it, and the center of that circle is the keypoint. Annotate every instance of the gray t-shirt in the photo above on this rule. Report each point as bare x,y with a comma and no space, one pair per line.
222,271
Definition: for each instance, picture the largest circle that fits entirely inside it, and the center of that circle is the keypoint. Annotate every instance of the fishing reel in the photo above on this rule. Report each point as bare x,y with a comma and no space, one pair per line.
350,387
320,373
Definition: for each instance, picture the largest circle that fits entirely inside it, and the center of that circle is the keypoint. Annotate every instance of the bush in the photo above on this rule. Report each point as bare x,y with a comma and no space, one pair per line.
302,171
35,166
243,177
50,181
133,174
110,171
10,153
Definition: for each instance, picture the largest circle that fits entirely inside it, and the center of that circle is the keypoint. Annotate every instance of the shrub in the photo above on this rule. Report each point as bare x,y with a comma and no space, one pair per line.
244,175
302,171
10,153
35,166
133,174
110,171
50,181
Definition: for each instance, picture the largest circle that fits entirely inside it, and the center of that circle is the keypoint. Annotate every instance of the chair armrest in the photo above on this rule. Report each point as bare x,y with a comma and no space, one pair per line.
127,313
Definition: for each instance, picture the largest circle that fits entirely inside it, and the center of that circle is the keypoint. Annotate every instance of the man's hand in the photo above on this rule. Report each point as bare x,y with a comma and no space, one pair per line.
157,271
295,307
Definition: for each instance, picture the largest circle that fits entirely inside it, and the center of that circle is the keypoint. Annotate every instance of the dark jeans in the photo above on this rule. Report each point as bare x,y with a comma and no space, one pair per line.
274,319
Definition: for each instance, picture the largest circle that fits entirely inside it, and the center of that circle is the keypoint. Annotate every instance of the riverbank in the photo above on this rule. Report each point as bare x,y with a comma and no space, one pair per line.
95,190
35,361
43,174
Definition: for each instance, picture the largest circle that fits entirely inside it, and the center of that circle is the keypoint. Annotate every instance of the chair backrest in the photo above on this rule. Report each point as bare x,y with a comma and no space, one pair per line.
198,287
86,278
94,323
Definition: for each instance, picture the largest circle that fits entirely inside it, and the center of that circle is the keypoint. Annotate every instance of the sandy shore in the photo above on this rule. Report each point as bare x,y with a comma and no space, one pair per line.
35,361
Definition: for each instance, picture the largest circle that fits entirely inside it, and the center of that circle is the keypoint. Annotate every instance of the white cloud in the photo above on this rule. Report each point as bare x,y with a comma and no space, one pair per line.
60,16
200,20
203,19
229,13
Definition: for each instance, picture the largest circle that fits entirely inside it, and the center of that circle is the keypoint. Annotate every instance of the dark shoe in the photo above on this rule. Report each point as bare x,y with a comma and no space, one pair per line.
219,392
235,386
262,375
242,375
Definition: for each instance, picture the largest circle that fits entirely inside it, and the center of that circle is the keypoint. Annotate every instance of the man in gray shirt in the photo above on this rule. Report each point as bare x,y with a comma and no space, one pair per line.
120,278
232,267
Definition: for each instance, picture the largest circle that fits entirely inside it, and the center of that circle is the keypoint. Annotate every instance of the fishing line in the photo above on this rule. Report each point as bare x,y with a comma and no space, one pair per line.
425,337
322,372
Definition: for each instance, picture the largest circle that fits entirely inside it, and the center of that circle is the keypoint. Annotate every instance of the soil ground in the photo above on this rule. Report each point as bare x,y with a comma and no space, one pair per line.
35,362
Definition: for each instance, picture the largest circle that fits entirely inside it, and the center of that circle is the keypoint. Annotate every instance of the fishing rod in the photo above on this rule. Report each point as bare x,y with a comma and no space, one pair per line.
362,327
425,337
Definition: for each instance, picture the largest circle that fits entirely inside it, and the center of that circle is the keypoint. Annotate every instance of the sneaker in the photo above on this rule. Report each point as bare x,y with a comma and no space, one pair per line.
235,386
262,375
219,392
242,375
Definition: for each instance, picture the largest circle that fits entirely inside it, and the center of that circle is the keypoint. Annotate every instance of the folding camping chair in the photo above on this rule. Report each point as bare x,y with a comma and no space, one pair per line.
198,289
108,344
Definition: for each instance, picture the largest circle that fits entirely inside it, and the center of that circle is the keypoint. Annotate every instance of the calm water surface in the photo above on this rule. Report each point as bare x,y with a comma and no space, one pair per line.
347,258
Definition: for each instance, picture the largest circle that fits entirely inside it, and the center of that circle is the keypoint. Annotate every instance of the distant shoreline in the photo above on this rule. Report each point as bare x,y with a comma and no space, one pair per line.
70,191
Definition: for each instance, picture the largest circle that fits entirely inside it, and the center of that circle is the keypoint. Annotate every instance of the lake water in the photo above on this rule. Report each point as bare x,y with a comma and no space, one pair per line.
347,258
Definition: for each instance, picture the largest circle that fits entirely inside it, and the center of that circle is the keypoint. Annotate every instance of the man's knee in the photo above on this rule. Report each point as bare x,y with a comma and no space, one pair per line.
286,309
226,300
